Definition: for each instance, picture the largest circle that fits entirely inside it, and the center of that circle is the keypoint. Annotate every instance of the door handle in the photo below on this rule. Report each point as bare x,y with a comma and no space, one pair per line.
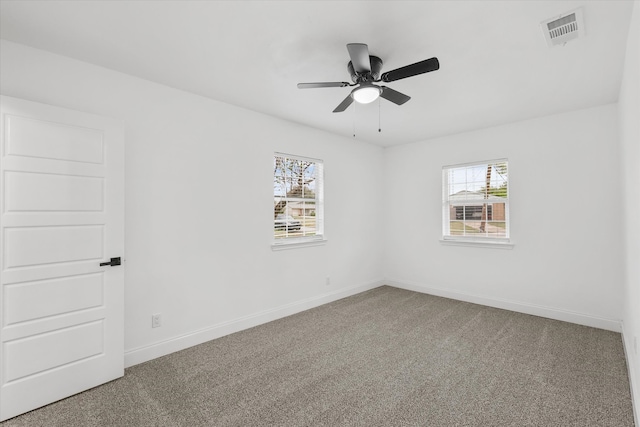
114,261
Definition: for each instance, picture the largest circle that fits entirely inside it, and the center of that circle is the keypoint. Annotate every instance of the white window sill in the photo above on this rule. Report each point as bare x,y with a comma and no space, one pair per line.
478,243
294,244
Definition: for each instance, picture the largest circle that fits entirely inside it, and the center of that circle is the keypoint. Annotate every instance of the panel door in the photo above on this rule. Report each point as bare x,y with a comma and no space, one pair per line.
61,216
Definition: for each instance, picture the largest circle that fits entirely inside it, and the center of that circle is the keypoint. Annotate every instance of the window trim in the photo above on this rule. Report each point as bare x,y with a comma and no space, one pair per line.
476,241
300,242
318,238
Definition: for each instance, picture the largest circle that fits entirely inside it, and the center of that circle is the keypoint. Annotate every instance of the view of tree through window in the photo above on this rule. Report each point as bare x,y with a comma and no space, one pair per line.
476,200
297,191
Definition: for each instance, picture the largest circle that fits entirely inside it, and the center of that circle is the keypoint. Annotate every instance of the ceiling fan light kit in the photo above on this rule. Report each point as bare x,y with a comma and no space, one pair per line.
365,70
366,94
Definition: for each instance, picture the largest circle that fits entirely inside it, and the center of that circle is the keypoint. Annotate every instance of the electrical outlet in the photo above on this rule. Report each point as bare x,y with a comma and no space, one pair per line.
328,281
156,320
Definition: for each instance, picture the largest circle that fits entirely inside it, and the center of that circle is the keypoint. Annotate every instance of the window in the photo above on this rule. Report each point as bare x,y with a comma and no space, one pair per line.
297,199
475,202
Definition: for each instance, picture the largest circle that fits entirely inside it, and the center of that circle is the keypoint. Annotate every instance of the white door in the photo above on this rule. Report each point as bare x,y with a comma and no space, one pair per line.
61,215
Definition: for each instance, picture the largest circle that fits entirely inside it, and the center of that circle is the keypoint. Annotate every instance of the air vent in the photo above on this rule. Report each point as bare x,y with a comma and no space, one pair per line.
560,30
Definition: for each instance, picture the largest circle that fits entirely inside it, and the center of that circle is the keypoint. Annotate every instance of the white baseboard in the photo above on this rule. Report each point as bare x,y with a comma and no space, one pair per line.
162,348
632,369
536,310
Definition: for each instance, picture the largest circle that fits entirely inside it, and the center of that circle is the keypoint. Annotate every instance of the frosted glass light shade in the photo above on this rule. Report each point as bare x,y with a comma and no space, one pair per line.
366,94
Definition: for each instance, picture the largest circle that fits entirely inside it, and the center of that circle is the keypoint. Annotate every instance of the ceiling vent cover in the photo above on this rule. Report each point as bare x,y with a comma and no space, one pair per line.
560,30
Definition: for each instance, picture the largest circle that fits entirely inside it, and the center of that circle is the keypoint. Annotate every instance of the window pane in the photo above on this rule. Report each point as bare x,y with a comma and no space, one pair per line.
470,200
296,200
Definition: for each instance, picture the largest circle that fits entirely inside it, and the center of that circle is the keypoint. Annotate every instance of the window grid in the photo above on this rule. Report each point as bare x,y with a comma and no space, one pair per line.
298,200
476,201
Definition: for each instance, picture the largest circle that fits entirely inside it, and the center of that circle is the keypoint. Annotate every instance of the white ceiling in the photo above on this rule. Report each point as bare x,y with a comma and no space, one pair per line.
495,66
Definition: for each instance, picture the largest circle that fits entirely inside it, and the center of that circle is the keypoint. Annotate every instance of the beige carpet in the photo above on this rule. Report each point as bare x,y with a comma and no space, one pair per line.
386,357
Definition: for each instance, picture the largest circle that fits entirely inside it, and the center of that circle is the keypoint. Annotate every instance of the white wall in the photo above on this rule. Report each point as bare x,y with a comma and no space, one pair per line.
565,219
199,204
629,110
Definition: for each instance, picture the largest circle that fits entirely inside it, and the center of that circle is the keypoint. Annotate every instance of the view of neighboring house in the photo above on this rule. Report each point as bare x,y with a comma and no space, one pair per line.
468,205
298,209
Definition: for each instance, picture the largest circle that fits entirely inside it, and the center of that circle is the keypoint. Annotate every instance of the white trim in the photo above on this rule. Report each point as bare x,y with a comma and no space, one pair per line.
292,244
476,163
478,243
614,325
627,344
296,157
171,345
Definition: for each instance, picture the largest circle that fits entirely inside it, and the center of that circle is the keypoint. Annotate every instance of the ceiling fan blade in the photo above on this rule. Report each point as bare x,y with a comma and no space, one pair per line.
324,84
394,96
344,104
411,70
359,53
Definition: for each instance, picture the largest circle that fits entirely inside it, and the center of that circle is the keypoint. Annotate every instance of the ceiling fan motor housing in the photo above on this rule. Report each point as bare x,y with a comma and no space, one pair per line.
374,74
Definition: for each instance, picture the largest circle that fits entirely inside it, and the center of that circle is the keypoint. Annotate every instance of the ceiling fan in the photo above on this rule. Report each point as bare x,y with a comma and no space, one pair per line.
365,71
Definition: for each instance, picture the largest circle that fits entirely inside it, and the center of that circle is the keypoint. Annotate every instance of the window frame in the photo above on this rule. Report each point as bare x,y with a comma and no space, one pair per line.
303,241
475,240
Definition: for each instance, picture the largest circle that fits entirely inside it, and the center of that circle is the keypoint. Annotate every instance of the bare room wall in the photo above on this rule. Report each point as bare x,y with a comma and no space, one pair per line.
199,204
566,262
629,111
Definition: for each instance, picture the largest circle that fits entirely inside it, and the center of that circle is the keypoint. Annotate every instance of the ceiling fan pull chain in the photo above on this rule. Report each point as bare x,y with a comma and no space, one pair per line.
379,125
354,121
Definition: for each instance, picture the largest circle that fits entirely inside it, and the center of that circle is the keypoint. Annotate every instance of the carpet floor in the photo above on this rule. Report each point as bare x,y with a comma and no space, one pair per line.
385,357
